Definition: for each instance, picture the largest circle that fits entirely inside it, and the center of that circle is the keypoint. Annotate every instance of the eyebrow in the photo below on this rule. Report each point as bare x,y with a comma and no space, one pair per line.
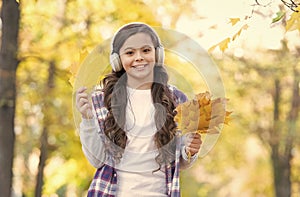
139,48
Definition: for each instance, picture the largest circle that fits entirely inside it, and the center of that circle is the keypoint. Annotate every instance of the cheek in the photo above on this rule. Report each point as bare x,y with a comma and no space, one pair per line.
150,58
126,63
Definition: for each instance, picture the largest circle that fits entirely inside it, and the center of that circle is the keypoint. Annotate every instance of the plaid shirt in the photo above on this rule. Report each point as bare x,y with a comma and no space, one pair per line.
104,183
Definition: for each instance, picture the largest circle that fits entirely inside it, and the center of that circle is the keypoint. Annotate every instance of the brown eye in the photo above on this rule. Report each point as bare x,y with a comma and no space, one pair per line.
147,50
129,52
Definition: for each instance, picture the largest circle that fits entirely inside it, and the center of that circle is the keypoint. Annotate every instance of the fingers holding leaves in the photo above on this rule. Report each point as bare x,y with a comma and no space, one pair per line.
82,103
193,143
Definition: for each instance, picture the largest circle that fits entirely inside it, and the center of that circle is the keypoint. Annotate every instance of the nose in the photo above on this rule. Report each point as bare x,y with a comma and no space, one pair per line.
139,56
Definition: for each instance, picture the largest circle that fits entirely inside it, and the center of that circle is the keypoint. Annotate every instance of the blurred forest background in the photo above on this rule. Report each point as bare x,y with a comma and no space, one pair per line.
43,43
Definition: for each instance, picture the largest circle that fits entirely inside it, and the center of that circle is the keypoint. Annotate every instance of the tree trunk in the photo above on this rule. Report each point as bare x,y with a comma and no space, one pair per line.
280,162
42,163
10,15
281,157
44,136
281,171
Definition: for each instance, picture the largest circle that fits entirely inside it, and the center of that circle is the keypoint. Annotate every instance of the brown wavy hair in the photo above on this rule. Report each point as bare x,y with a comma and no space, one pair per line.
115,100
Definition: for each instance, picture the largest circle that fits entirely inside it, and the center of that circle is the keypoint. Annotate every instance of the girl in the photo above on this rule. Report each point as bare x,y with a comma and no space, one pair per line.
128,131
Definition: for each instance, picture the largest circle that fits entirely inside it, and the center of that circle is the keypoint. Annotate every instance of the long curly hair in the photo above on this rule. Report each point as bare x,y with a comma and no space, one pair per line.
115,100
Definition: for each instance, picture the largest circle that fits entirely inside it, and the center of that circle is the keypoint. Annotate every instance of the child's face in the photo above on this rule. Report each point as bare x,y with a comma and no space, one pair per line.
138,59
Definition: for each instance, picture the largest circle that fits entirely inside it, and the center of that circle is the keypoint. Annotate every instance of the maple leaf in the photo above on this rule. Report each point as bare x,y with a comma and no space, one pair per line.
202,114
73,69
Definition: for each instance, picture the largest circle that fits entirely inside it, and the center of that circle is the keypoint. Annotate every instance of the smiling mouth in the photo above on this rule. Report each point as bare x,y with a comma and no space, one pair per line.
139,66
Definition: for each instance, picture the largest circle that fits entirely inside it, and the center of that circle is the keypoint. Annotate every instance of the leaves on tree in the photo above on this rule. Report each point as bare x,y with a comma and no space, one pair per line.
279,16
234,21
293,23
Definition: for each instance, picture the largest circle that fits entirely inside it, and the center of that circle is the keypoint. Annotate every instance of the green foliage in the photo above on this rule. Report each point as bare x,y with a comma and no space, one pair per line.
279,16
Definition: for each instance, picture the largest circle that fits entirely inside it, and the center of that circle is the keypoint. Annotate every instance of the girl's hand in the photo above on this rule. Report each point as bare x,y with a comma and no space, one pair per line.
82,103
193,143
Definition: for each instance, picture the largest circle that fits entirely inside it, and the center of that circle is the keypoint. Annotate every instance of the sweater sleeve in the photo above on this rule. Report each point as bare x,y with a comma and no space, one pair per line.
92,133
91,142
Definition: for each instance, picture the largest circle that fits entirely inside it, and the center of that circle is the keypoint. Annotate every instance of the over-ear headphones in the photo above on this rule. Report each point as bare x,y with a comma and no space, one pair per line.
115,60
116,63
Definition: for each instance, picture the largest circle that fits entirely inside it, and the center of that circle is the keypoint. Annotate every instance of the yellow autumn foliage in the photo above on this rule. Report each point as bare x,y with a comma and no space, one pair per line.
234,21
202,114
293,23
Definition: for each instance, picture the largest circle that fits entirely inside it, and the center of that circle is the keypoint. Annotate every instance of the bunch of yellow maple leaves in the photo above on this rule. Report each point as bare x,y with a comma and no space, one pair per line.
202,114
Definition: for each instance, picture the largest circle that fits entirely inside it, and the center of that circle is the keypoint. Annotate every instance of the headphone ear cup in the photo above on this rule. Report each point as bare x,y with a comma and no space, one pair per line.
115,62
160,56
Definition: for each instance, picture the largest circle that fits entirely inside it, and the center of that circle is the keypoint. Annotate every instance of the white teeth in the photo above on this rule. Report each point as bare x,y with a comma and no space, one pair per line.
141,66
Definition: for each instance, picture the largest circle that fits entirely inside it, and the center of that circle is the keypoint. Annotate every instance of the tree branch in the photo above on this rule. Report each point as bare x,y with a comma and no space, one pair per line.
291,5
